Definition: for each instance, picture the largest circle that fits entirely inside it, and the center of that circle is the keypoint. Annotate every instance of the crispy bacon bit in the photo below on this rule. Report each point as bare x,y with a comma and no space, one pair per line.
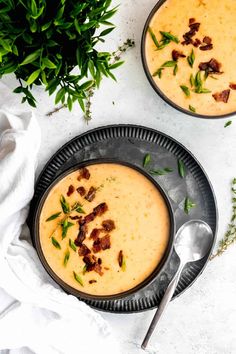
95,234
98,269
92,281
99,261
84,250
191,21
71,190
120,258
76,217
176,55
232,86
212,66
81,236
89,218
108,225
100,209
207,40
206,47
194,28
91,194
97,246
106,242
83,173
90,261
222,96
197,42
81,190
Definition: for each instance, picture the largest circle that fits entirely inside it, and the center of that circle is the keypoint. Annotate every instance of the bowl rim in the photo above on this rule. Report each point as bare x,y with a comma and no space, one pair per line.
66,287
155,86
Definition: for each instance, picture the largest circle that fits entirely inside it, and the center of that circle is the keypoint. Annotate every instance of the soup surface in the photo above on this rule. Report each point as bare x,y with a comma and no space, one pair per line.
111,241
194,67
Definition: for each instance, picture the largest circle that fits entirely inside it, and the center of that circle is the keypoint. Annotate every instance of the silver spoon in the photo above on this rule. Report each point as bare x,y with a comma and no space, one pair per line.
192,242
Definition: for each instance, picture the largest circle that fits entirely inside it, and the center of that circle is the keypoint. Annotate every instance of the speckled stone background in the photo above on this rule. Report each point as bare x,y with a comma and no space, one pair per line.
203,319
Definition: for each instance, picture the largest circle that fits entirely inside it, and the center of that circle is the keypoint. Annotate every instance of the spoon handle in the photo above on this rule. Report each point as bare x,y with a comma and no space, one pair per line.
164,302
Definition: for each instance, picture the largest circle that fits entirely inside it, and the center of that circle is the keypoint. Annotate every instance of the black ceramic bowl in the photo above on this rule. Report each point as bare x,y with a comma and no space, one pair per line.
66,287
150,78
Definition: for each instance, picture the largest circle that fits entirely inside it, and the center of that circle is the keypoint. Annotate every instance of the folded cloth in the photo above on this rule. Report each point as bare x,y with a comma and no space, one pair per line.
36,315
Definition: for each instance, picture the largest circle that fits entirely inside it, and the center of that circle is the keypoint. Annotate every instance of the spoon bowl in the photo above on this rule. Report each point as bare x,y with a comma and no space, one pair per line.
192,242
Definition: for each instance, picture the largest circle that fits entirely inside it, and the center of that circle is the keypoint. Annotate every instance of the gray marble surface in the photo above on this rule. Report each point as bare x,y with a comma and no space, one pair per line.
203,319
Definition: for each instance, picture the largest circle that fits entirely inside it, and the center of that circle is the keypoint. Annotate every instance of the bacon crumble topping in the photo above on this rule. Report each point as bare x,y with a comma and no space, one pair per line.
91,194
176,55
83,173
83,250
102,243
108,225
232,86
222,96
71,190
211,67
81,235
81,190
95,233
92,281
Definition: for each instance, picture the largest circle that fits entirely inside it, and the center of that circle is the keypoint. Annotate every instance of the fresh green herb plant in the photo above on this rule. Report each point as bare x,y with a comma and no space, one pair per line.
53,43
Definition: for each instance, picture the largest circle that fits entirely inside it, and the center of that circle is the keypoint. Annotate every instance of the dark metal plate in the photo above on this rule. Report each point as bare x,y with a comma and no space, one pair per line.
130,143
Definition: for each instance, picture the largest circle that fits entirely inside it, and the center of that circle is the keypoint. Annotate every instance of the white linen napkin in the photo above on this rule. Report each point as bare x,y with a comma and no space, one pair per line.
35,312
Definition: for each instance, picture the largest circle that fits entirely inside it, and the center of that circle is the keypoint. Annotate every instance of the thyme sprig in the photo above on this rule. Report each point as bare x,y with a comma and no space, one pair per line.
230,235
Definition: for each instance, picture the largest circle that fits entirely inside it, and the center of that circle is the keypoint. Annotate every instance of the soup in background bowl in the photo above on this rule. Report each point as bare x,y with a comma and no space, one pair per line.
189,51
104,229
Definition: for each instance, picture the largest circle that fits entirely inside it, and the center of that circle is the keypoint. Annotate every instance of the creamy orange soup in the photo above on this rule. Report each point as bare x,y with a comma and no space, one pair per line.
217,22
137,243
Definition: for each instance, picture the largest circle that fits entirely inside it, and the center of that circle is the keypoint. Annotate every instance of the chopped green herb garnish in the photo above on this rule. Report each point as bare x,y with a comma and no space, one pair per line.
55,243
186,90
192,81
146,160
54,216
78,207
154,38
188,205
169,36
158,73
227,124
78,279
161,172
65,206
191,58
198,84
192,109
72,245
175,69
66,258
84,269
169,64
181,168
123,265
65,226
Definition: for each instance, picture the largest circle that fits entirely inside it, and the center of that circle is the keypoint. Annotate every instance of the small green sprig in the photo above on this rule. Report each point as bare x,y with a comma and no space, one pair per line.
191,59
161,172
188,205
146,160
166,38
230,235
78,279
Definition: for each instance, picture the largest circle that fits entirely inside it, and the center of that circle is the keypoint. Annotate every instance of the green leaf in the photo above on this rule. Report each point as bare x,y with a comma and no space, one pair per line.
158,73
31,57
78,279
154,38
54,216
181,168
80,210
65,226
161,172
146,160
116,65
123,265
72,245
175,70
192,109
60,94
48,63
6,45
227,124
169,36
85,86
169,64
66,258
186,90
46,26
55,243
192,81
188,205
106,31
33,77
191,58
64,204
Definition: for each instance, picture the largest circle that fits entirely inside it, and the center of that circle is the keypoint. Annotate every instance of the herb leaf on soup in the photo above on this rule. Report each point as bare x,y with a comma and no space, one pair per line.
154,38
192,109
66,258
181,168
171,37
54,216
78,279
186,90
188,205
146,160
169,64
191,58
65,226
158,73
65,205
72,245
55,243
